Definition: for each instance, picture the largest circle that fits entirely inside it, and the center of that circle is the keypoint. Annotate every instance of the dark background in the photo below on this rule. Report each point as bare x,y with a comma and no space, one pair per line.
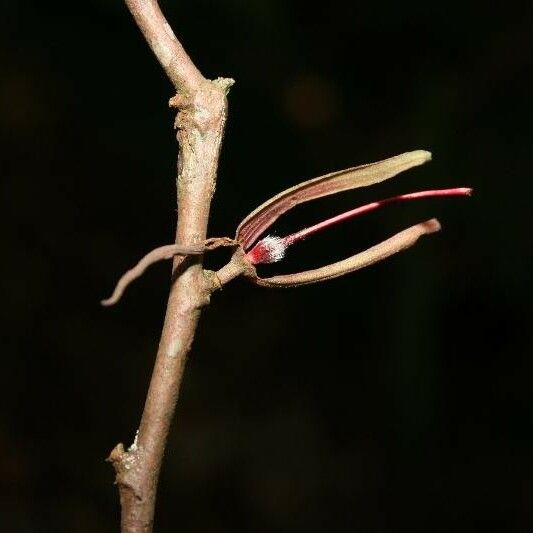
394,399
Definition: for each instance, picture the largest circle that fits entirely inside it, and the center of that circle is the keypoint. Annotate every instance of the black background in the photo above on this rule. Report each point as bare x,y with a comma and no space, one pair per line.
394,399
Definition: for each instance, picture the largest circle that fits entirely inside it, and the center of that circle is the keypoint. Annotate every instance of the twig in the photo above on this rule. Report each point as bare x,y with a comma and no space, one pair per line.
158,254
168,251
200,121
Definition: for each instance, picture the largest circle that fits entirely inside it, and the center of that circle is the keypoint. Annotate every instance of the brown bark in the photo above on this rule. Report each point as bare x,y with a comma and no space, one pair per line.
200,123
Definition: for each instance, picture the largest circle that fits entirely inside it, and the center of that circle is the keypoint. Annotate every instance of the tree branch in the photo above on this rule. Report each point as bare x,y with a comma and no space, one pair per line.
200,123
166,47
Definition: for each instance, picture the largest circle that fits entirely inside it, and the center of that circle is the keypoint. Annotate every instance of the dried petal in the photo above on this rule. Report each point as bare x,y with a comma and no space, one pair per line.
266,214
395,244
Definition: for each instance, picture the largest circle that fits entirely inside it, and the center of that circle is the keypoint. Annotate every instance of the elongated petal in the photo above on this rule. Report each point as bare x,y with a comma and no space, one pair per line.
393,245
266,214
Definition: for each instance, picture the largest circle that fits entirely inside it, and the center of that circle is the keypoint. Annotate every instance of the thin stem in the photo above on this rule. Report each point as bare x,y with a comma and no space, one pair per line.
163,252
299,235
167,251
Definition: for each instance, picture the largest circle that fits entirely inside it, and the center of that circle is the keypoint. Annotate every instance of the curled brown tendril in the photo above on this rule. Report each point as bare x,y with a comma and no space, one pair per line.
161,253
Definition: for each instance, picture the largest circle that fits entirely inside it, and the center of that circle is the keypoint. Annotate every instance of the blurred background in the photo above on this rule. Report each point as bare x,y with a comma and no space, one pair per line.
397,398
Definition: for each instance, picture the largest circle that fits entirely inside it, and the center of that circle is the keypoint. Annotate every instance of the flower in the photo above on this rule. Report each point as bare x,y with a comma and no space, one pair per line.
271,248
250,252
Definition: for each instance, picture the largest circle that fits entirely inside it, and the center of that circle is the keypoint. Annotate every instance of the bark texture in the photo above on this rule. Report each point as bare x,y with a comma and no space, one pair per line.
200,120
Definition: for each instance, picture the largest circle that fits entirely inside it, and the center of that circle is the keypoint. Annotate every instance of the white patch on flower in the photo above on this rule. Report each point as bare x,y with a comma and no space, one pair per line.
275,248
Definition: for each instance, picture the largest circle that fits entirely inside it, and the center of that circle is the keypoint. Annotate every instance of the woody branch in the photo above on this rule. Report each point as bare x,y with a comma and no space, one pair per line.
201,114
